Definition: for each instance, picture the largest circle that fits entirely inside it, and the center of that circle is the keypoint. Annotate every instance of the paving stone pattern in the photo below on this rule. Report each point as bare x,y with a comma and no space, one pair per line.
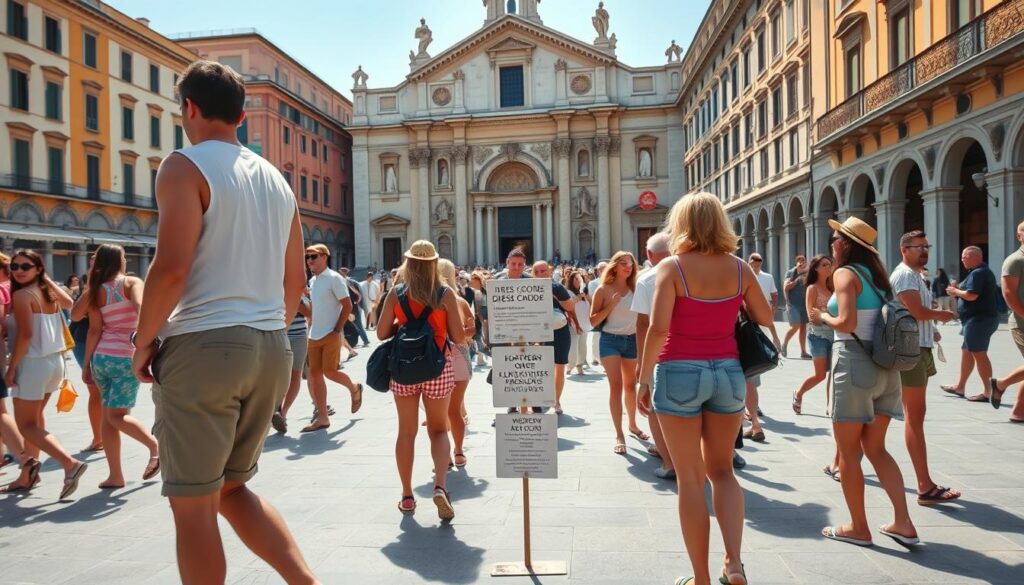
606,515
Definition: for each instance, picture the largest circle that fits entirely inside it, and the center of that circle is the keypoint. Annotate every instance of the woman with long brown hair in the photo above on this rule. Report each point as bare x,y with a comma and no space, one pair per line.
611,308
865,396
818,285
37,366
114,302
421,288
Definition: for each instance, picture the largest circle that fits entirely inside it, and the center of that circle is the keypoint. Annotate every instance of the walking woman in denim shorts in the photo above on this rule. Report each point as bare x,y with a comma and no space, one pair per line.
865,396
699,388
818,283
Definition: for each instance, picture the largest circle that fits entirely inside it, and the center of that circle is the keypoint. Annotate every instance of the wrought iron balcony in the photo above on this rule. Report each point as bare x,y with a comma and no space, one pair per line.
47,187
983,34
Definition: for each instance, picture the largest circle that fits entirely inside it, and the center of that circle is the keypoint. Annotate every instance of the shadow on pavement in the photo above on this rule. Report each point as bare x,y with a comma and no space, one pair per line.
94,506
567,421
315,443
434,553
959,561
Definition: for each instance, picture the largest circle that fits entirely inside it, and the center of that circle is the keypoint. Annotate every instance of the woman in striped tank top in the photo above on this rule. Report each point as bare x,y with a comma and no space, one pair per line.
114,301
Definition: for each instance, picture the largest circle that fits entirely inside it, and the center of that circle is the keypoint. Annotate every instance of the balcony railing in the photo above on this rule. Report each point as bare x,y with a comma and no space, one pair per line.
47,187
984,33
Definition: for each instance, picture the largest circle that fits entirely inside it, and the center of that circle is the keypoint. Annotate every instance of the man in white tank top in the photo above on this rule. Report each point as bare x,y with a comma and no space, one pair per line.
226,279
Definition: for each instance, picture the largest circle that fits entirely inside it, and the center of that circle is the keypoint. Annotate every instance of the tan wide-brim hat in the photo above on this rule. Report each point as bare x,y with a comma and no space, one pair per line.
421,250
858,231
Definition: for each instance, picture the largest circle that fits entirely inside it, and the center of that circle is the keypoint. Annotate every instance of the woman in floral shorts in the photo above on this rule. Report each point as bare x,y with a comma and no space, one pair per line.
114,301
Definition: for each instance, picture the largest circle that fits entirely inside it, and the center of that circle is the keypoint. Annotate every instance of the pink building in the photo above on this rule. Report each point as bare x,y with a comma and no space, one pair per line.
297,122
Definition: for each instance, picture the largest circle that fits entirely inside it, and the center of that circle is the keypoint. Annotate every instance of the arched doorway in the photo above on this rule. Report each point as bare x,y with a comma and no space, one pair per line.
973,201
828,208
862,200
521,210
907,184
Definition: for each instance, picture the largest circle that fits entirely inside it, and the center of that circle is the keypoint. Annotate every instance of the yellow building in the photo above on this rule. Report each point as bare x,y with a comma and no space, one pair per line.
919,109
89,111
746,110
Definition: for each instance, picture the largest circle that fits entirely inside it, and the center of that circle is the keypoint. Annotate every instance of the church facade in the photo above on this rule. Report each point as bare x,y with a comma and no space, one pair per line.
518,135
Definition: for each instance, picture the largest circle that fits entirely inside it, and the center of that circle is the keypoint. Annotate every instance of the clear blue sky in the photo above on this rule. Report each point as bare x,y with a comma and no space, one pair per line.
332,37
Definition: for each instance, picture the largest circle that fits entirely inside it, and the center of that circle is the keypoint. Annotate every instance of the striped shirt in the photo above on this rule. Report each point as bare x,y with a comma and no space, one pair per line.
120,319
298,326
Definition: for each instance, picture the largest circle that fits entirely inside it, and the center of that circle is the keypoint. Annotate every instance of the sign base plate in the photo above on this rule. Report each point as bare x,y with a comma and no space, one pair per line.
520,569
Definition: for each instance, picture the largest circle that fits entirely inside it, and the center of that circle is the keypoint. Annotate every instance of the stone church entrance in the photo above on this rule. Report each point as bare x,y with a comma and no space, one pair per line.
515,230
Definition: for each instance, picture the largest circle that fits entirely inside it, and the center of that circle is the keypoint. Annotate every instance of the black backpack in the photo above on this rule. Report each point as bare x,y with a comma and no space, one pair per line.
415,357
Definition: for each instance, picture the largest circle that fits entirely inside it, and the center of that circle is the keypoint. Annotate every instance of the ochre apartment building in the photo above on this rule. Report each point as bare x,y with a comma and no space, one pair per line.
88,112
297,122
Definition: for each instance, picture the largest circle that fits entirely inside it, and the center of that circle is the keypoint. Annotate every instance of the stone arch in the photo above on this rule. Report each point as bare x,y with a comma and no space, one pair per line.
1015,142
828,203
895,184
512,177
965,157
317,237
25,211
795,210
99,219
305,233
541,174
763,221
129,225
906,182
445,246
62,216
330,238
748,226
953,151
778,215
862,198
737,226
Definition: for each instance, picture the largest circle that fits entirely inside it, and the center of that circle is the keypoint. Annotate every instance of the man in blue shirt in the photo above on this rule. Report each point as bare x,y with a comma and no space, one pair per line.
979,315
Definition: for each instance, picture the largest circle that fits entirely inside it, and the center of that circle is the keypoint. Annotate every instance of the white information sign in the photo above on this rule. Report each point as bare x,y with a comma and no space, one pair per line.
520,310
524,372
527,445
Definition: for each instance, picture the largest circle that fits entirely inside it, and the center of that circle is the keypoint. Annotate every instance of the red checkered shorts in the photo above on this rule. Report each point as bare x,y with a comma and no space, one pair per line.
436,389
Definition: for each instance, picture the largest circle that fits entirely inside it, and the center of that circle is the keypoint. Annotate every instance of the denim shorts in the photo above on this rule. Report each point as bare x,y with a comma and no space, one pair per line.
819,346
978,332
622,346
688,387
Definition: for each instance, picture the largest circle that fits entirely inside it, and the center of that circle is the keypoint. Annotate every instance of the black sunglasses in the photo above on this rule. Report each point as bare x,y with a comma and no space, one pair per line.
22,267
312,257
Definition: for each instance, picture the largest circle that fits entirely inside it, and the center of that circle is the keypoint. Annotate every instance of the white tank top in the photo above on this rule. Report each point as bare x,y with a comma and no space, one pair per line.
622,320
238,273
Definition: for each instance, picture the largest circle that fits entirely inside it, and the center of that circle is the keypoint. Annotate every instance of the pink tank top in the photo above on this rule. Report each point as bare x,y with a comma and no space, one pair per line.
703,329
119,320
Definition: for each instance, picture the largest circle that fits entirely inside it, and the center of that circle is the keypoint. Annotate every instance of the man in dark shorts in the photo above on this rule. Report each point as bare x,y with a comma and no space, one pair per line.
796,306
979,315
226,279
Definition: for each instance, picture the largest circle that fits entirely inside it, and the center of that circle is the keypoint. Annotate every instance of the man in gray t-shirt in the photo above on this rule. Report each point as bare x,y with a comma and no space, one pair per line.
909,287
1013,294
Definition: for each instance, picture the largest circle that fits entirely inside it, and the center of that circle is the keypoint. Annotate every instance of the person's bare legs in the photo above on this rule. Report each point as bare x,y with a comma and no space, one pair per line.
29,416
793,329
752,401
984,371
258,524
456,419
966,367
803,339
339,377
913,431
115,422
819,375
889,474
719,438
559,383
318,389
613,369
95,417
848,442
1003,384
405,442
294,385
10,435
659,441
437,430
683,439
628,370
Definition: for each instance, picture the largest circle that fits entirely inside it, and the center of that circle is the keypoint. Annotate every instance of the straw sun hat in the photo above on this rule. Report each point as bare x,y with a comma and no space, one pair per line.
856,230
421,250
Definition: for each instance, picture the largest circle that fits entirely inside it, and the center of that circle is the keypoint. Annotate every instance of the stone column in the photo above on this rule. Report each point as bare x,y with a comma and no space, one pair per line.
478,233
617,216
495,240
414,198
774,259
1006,186
488,212
144,260
81,259
47,253
459,153
942,224
890,228
562,150
538,233
424,203
460,82
549,229
560,83
604,247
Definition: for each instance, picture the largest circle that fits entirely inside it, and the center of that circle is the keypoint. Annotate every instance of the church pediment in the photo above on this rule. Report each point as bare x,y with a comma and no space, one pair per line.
389,219
510,34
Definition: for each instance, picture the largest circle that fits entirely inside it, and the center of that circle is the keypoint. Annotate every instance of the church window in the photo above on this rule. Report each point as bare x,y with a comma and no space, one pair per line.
512,87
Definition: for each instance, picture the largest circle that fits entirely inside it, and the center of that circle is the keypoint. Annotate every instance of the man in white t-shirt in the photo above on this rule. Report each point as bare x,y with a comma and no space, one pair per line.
371,295
909,287
767,282
595,336
643,301
332,305
771,294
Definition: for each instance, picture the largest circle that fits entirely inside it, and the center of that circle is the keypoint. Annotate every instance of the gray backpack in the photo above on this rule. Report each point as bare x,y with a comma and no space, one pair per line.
897,339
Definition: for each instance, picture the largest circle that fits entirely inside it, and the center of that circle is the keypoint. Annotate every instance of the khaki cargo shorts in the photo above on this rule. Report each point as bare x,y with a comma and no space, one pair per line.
325,354
1018,339
215,393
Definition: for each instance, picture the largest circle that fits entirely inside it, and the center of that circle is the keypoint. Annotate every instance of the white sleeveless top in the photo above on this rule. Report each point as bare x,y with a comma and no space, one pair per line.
622,319
238,273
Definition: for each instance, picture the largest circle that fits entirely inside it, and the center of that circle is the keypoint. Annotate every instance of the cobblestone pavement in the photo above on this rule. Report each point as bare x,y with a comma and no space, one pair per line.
606,515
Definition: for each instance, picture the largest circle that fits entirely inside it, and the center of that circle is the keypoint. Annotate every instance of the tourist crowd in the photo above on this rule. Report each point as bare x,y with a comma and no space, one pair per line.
236,312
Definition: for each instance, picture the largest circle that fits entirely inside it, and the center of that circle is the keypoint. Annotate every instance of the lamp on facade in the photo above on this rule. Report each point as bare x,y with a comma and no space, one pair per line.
979,182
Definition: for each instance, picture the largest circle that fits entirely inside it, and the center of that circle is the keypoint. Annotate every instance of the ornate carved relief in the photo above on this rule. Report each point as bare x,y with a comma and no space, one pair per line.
512,178
562,146
615,145
602,144
561,65
580,84
879,175
929,159
997,134
459,74
459,153
584,204
444,213
510,150
442,96
542,150
481,154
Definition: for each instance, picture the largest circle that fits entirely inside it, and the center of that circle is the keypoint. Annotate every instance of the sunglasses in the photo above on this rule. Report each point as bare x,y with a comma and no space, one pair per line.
15,267
921,247
625,263
758,260
312,257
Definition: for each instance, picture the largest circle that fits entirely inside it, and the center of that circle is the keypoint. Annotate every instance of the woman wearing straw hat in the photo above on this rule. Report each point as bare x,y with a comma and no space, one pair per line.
422,287
865,396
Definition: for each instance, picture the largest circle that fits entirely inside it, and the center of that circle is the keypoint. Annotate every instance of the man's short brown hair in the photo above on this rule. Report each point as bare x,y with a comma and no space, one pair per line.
217,90
320,249
909,237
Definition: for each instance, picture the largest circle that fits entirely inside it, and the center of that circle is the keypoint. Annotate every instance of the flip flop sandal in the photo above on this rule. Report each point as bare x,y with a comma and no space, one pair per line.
952,390
833,473
357,398
758,437
937,495
152,468
797,404
685,581
653,451
92,449
464,460
34,467
978,398
640,435
445,511
997,394
71,483
407,508
748,434
904,541
14,489
312,428
620,448
830,533
727,577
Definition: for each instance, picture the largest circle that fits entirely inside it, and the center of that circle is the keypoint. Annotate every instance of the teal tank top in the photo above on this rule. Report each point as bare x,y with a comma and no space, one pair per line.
868,306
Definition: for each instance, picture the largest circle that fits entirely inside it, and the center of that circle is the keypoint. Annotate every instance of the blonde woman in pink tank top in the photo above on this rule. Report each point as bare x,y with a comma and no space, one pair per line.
114,301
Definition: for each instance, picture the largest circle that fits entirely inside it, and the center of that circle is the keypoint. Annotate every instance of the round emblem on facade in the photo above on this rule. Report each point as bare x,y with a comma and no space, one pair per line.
442,96
580,84
648,200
